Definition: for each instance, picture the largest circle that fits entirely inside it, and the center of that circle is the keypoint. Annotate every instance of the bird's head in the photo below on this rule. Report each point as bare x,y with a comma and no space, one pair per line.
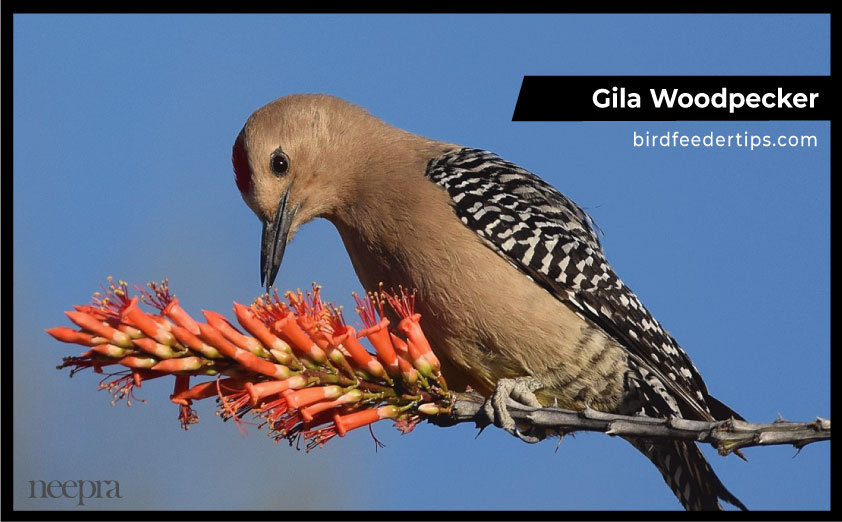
295,160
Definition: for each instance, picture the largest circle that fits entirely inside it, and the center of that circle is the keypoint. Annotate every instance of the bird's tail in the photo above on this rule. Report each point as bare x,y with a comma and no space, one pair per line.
687,473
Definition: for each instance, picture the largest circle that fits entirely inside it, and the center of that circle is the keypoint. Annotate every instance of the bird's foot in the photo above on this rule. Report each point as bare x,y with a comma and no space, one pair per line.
520,391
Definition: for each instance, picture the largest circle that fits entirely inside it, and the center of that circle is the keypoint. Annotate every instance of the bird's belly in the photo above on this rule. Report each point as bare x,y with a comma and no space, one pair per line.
487,320
580,367
484,330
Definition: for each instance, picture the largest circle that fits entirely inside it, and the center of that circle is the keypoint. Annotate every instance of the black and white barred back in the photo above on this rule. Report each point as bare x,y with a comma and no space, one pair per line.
552,240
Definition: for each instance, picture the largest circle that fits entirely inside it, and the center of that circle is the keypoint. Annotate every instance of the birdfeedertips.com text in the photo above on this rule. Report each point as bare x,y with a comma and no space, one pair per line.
677,139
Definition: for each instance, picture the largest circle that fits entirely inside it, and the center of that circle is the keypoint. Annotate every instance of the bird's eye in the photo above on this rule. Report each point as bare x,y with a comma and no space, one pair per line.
279,163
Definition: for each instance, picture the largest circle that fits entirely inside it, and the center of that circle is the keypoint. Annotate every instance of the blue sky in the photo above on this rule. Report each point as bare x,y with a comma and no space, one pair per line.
123,127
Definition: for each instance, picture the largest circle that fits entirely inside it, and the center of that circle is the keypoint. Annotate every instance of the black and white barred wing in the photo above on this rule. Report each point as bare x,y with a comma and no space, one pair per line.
551,239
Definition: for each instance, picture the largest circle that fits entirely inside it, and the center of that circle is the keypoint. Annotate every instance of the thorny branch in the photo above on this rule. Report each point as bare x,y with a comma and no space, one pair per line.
727,436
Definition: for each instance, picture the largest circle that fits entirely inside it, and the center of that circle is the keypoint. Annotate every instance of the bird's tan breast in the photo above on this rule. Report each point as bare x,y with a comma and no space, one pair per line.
483,315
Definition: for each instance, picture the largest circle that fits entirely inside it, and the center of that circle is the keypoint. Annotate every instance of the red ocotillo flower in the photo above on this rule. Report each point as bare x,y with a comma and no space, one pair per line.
420,352
376,331
296,366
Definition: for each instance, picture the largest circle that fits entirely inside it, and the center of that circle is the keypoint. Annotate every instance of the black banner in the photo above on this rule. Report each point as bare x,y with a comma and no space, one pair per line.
672,98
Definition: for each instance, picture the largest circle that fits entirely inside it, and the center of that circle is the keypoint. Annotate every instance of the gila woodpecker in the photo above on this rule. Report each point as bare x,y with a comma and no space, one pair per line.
486,243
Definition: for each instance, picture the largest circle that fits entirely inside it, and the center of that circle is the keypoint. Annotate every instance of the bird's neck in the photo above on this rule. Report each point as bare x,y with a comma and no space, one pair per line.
391,208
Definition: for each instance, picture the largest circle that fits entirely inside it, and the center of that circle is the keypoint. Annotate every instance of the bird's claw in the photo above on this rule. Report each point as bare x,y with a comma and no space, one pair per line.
520,390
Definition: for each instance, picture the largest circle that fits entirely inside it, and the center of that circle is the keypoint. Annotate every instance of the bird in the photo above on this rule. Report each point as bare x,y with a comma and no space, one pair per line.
511,272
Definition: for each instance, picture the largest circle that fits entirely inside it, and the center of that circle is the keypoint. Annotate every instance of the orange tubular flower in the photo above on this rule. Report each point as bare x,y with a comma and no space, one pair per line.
409,373
378,336
299,339
419,360
154,348
310,327
346,423
412,330
215,339
69,335
186,415
360,356
247,359
131,331
180,317
377,332
419,347
182,364
277,347
134,361
110,350
91,324
144,322
261,390
401,348
189,340
420,352
182,384
308,413
297,399
232,334
165,323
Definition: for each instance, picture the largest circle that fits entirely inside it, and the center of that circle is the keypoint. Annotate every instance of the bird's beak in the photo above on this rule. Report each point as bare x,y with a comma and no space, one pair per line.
273,241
